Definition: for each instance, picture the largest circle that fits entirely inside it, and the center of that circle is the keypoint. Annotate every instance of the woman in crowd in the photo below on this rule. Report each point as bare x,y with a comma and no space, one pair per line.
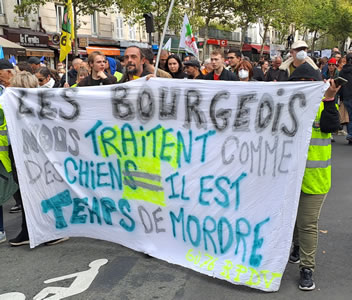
46,78
244,71
341,63
265,67
174,66
24,80
81,74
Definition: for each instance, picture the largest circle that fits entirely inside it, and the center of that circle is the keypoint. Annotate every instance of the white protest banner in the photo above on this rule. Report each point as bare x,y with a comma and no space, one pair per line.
202,174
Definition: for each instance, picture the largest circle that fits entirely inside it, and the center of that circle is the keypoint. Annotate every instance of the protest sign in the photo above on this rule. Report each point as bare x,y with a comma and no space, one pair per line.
202,174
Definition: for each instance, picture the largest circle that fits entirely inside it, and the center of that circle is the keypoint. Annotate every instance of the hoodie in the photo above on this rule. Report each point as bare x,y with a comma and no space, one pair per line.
330,118
346,90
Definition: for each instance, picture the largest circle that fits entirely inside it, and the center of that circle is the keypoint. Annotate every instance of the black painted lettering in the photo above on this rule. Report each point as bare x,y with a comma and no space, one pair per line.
192,109
291,110
243,112
168,110
46,110
145,104
68,96
223,114
265,113
121,107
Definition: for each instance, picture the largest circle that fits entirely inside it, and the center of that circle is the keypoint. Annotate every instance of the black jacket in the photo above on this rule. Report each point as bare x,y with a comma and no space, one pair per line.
88,81
71,76
258,74
345,91
272,74
225,75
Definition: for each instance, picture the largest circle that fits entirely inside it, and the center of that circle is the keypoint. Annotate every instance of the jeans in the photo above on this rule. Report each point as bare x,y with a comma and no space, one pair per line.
348,106
306,229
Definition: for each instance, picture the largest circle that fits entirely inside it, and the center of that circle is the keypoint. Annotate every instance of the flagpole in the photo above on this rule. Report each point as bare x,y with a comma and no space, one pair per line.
66,73
163,36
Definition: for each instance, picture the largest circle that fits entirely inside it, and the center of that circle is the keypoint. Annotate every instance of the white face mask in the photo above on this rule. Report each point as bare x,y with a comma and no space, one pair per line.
301,55
60,75
243,74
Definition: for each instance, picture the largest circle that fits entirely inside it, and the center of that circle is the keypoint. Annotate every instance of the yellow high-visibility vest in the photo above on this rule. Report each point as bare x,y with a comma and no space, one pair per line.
317,175
4,143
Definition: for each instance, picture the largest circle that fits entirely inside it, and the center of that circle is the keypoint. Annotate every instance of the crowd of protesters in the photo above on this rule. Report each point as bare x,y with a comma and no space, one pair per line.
232,66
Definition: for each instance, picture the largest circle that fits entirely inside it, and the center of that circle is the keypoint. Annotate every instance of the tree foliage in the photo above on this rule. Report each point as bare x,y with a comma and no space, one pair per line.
80,8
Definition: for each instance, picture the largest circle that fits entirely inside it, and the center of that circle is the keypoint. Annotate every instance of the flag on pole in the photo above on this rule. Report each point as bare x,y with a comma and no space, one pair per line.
67,34
167,46
187,41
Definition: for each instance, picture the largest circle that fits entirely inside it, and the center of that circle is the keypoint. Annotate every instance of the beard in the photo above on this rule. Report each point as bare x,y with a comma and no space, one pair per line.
131,71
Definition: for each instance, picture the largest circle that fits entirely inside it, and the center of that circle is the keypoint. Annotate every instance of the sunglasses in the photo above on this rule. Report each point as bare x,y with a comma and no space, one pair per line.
41,79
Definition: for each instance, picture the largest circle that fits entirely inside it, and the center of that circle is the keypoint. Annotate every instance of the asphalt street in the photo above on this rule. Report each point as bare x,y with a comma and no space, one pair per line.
132,275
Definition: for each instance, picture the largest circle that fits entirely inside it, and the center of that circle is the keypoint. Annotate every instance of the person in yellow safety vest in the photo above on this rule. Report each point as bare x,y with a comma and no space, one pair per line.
81,74
111,68
316,180
7,184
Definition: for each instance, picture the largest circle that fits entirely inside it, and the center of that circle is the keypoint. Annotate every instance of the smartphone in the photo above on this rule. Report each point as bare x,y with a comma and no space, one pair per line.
340,81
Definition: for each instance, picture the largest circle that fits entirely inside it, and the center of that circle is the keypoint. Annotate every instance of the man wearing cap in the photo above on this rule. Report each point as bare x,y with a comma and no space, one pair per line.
6,73
192,69
34,63
332,71
298,57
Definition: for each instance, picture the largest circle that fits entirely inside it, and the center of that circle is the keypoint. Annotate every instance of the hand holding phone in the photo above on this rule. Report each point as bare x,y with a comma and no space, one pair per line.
340,81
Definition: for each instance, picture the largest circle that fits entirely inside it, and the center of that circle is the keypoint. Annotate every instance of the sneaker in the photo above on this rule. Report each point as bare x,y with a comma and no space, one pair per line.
2,236
54,242
20,240
342,132
15,209
294,256
306,282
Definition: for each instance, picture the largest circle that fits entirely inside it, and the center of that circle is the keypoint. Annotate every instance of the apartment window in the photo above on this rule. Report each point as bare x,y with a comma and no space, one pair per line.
19,3
119,28
132,31
1,8
59,17
95,23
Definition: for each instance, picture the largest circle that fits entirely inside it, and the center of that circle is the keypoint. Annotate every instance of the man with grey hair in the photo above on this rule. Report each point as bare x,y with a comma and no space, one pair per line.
207,67
273,72
72,74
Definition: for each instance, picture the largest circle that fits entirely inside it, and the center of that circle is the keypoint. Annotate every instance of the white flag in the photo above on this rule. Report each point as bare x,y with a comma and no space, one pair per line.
187,41
167,46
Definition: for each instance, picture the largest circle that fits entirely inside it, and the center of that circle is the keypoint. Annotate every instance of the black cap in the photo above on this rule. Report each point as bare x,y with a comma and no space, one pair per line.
5,64
33,60
305,71
192,63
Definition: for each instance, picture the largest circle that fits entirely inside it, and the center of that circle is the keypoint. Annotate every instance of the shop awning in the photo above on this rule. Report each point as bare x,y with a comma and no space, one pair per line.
105,50
250,47
40,52
11,48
